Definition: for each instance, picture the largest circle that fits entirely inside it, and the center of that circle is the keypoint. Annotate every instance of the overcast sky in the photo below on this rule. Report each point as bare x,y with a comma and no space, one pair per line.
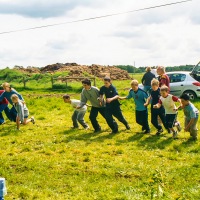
162,36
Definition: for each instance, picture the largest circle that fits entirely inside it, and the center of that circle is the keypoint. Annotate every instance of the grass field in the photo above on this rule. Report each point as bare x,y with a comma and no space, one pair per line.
48,160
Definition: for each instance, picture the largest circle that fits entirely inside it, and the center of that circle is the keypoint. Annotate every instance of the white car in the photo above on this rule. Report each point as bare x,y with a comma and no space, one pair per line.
184,82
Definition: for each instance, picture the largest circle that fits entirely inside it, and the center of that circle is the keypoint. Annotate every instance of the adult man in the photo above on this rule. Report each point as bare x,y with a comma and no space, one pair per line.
112,105
3,107
163,78
91,93
147,78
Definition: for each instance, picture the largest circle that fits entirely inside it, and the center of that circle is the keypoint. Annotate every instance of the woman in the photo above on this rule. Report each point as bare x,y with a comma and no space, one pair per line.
7,94
147,78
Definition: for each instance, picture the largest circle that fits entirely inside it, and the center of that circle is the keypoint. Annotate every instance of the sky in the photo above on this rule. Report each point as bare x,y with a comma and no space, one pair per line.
166,36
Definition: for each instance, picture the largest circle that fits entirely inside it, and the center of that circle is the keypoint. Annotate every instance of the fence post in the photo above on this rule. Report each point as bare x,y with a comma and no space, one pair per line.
24,82
66,83
94,81
52,81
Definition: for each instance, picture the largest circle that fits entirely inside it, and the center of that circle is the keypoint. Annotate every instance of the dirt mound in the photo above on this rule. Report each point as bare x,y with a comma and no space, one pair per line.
99,71
29,69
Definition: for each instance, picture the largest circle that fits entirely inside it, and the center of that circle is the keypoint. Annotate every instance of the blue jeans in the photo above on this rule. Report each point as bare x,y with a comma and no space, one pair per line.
4,107
147,89
78,116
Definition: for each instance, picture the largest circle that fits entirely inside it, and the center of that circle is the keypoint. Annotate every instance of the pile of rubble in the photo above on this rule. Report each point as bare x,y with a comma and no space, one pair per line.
75,70
99,71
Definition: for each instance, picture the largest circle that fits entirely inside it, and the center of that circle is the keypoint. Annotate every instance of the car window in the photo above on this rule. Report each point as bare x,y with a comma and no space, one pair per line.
174,78
196,72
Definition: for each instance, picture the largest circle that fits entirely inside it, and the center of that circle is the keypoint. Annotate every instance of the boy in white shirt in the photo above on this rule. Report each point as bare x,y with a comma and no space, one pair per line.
167,100
79,112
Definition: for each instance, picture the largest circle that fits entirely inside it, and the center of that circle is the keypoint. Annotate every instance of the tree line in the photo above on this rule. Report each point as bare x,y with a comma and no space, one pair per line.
132,69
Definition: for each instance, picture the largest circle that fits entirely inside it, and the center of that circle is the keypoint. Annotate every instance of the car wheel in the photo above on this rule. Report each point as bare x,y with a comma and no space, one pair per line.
191,94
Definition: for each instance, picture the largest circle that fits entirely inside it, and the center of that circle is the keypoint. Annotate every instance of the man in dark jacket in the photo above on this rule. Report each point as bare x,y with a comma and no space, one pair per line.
147,78
112,105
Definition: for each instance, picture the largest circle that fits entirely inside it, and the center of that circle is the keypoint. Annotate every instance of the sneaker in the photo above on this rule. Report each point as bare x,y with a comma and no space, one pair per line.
114,131
87,128
33,120
169,131
159,131
146,131
178,126
97,130
175,134
73,127
128,127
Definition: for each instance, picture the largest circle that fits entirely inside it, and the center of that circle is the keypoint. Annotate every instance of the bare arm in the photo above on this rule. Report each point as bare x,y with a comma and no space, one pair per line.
17,122
158,105
189,124
108,100
121,98
148,101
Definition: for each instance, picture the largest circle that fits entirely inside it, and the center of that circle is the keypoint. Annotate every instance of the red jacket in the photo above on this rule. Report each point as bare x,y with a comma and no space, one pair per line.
5,101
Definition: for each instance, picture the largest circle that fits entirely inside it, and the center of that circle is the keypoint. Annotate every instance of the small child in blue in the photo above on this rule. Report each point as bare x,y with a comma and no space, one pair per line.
191,115
22,111
141,112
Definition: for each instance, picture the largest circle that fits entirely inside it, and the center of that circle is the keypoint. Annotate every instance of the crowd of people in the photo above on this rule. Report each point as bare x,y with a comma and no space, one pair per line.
19,112
156,92
106,101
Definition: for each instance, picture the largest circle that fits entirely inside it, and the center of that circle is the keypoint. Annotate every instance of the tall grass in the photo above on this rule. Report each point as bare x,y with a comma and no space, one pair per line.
49,160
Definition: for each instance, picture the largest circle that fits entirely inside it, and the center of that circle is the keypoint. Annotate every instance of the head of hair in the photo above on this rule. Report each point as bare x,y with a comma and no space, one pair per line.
86,81
14,97
6,85
185,97
155,82
66,96
107,79
148,69
134,82
162,69
164,88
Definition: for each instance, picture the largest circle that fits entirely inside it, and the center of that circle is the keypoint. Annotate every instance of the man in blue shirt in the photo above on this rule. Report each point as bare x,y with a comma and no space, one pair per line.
112,105
141,111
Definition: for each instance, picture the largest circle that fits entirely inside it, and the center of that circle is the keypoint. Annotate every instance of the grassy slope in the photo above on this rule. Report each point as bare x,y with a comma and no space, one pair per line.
49,161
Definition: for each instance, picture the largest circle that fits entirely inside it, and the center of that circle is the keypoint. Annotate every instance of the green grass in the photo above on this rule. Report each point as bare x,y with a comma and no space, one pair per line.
48,160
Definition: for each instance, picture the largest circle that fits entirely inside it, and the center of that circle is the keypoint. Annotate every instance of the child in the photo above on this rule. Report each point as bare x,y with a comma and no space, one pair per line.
79,112
139,97
154,98
191,116
167,100
22,111
112,105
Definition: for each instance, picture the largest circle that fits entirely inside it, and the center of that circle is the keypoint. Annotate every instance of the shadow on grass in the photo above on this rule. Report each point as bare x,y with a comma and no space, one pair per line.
89,136
139,139
6,131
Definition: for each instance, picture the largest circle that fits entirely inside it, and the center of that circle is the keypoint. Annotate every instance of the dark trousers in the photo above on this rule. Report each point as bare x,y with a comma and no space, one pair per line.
4,107
154,117
116,112
12,114
93,116
142,119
